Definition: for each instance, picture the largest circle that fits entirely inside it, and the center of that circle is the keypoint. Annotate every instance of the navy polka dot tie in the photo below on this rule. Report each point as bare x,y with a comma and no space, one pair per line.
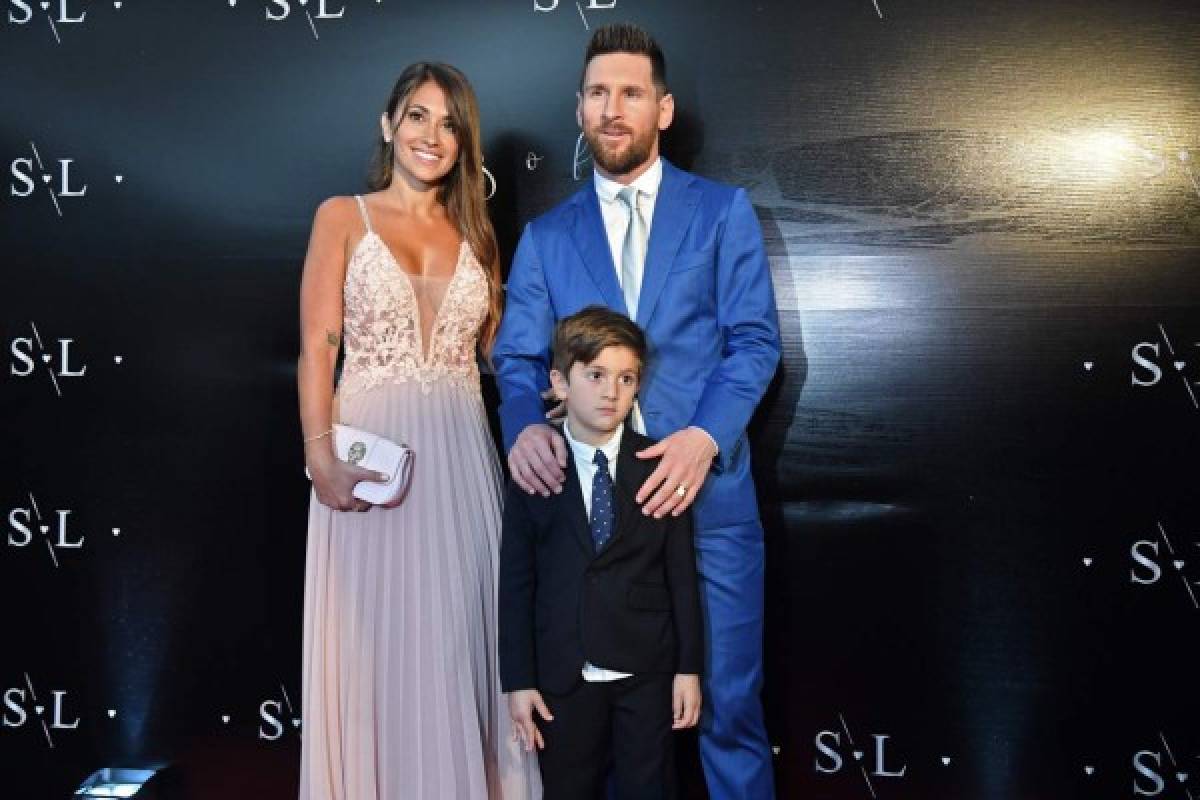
602,501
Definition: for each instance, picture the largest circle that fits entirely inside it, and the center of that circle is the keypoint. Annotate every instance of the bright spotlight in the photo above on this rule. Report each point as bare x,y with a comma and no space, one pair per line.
120,782
1103,149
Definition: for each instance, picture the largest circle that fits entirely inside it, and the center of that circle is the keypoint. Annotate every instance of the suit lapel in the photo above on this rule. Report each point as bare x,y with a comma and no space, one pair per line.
574,515
592,243
673,210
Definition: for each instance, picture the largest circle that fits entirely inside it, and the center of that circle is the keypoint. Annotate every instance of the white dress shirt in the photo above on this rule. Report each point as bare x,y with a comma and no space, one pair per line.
616,222
584,455
615,219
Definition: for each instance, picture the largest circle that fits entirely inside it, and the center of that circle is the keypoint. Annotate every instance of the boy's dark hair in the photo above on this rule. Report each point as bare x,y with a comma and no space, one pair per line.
625,37
581,337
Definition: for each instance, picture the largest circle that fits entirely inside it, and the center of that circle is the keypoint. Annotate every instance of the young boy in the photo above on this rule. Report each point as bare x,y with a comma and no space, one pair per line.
600,629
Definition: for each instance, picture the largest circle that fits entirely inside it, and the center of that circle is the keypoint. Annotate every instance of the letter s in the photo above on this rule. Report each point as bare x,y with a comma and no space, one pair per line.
21,4
24,177
12,705
270,719
19,527
834,758
25,358
1143,361
1149,773
1146,561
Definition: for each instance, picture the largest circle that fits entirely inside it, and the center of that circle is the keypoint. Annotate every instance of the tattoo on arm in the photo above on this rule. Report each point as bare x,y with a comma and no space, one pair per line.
332,338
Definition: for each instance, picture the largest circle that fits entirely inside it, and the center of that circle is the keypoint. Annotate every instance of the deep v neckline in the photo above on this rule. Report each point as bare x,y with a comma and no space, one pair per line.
425,356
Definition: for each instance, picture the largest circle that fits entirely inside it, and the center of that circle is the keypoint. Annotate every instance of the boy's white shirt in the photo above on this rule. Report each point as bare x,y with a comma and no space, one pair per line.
584,454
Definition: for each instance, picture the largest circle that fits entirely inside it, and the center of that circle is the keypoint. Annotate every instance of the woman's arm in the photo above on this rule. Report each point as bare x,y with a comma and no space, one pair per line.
320,339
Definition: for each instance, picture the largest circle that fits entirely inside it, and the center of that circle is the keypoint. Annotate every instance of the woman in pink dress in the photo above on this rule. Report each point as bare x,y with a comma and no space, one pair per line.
401,695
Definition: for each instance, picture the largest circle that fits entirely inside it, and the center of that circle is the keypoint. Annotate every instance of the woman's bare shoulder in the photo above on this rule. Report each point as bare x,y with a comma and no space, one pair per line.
337,211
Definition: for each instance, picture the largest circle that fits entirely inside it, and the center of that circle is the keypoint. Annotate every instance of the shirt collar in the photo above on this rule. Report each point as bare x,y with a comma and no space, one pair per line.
587,453
646,183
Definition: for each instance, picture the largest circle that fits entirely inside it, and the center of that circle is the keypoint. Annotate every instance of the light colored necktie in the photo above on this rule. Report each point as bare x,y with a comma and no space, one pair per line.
633,251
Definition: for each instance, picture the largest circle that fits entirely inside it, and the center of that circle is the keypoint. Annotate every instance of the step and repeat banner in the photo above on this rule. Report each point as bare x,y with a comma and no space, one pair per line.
977,466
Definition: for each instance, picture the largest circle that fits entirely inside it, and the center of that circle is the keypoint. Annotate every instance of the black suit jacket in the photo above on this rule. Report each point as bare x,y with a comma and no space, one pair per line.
633,607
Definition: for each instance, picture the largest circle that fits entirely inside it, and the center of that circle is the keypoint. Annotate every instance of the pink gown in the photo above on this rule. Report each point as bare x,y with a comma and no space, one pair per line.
401,691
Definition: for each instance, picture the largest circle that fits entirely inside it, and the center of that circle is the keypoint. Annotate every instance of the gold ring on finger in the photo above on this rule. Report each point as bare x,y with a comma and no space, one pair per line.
682,490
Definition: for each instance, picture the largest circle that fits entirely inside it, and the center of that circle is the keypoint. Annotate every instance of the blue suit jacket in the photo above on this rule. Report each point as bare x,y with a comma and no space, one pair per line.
707,307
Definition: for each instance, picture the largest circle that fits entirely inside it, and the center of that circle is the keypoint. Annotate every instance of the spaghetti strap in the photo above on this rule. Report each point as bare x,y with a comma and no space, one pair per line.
362,209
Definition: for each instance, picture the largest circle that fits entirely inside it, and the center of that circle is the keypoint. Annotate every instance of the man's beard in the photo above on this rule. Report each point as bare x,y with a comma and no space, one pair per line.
623,161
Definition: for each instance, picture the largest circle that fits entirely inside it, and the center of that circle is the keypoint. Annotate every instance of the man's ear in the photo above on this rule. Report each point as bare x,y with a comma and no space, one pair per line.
579,110
666,111
559,383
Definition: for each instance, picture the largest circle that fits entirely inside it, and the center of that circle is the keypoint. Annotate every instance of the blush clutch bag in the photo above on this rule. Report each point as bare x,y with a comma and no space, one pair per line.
369,451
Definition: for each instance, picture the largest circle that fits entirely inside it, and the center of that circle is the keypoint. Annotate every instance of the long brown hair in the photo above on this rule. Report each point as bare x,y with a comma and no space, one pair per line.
463,191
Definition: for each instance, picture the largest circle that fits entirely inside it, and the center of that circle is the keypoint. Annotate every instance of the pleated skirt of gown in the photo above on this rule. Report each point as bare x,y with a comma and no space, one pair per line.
401,686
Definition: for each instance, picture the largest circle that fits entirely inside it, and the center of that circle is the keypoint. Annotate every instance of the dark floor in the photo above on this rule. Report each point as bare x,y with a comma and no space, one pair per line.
231,770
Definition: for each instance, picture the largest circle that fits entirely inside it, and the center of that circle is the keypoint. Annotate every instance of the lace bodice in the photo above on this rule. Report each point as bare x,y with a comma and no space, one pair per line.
387,339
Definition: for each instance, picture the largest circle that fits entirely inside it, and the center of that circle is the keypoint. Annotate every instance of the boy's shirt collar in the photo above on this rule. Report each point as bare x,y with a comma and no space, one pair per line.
585,453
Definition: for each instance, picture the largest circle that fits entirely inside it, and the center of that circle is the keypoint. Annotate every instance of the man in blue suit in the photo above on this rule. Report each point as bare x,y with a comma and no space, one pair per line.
683,256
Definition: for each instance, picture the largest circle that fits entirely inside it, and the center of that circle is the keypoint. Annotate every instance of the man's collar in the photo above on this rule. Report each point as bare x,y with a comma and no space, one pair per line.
646,183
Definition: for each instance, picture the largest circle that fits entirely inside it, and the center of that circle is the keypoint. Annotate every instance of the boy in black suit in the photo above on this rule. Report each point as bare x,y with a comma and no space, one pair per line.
600,629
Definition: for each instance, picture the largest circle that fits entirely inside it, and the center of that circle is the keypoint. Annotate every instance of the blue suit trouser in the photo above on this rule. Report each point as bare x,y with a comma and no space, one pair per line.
734,748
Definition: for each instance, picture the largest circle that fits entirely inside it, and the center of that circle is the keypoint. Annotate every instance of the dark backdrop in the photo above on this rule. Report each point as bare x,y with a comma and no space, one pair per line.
977,466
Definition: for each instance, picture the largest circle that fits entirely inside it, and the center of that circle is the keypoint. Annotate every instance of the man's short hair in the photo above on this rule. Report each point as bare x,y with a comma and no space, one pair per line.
625,37
581,337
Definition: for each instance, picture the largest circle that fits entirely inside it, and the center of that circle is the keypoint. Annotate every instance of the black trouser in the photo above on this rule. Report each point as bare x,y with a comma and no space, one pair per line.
625,723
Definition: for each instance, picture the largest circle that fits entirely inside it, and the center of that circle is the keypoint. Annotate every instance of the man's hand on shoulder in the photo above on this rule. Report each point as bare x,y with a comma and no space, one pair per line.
687,455
538,460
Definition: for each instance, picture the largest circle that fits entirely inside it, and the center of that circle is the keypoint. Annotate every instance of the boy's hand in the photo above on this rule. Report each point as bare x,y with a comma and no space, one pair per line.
521,705
685,701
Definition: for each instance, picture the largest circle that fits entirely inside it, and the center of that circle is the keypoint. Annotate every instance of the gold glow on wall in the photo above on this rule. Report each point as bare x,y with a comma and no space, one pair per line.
1104,160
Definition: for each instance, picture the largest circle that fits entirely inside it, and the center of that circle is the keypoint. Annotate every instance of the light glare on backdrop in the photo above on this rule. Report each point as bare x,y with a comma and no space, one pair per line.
117,782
